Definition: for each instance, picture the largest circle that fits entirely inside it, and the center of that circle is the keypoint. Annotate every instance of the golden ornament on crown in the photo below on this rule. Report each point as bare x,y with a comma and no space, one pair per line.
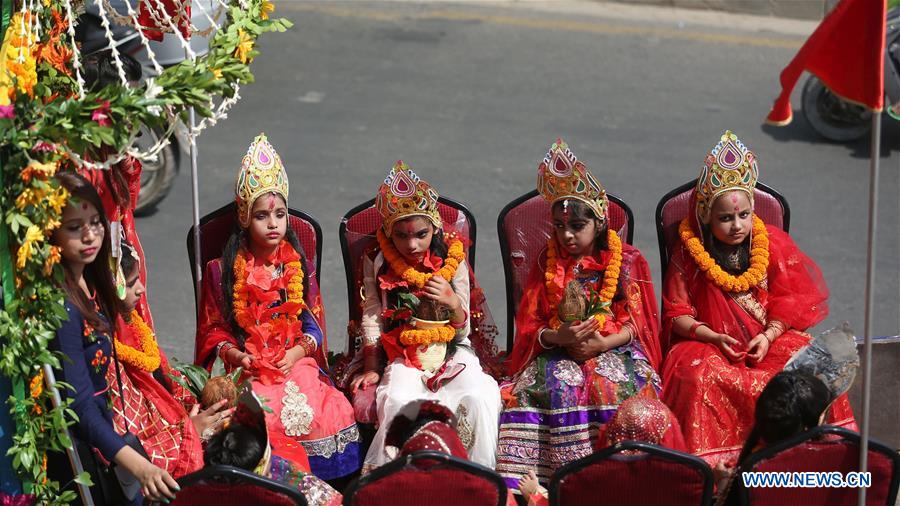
562,176
261,172
729,166
404,194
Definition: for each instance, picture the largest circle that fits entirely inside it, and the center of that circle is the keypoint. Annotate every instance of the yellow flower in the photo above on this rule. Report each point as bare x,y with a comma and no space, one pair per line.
29,197
32,236
58,200
245,45
217,73
265,9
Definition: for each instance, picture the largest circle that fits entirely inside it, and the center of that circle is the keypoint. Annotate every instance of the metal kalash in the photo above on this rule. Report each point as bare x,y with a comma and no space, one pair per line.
842,121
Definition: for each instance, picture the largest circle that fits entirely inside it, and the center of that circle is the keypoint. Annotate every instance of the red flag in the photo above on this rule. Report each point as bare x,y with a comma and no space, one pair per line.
846,52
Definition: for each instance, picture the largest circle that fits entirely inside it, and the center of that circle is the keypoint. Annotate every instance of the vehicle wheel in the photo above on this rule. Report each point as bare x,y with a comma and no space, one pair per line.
156,177
830,116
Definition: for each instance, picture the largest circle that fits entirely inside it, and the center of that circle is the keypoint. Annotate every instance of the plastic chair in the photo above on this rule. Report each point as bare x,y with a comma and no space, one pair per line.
633,472
227,486
427,476
524,227
822,449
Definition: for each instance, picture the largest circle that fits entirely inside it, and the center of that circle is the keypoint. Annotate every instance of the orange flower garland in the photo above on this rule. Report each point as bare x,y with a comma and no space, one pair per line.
455,256
148,357
610,276
759,258
411,336
423,337
242,293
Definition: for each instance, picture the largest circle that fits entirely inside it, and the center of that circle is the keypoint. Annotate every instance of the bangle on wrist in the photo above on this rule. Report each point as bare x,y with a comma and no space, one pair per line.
693,332
541,341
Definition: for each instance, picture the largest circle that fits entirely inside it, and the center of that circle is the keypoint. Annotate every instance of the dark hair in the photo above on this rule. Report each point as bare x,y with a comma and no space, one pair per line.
438,246
719,252
237,445
792,402
128,261
236,241
580,210
97,274
100,71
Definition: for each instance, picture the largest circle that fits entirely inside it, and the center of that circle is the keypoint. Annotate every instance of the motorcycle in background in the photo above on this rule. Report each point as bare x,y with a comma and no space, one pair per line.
838,120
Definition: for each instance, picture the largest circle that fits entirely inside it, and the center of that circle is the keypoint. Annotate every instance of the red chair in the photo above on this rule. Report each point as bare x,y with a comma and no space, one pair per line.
523,227
822,449
426,476
217,226
769,205
633,472
227,486
357,234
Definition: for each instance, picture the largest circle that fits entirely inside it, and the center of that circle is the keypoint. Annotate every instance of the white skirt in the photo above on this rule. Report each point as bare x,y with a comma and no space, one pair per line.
472,395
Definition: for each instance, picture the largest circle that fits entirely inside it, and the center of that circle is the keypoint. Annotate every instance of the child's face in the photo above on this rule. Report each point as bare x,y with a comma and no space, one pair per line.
268,221
133,290
81,233
731,217
412,237
574,233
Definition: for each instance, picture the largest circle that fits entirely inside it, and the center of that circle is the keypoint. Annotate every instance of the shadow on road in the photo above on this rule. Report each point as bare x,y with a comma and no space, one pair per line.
799,130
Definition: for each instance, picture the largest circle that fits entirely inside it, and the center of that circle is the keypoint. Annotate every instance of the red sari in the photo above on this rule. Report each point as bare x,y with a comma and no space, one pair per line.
713,398
156,414
130,168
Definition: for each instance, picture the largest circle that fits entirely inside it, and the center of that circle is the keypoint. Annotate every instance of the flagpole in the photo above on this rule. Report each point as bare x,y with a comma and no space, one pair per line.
874,158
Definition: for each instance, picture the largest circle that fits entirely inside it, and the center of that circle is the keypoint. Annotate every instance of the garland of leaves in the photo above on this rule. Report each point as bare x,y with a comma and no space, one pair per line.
45,128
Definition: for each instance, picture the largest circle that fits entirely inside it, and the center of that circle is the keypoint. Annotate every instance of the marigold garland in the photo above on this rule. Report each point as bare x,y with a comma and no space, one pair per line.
610,276
410,336
147,358
455,256
241,293
759,258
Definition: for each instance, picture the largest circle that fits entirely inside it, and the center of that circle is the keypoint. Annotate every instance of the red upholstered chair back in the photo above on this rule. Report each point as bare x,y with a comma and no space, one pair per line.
824,449
428,478
217,226
769,205
230,486
633,472
357,234
524,227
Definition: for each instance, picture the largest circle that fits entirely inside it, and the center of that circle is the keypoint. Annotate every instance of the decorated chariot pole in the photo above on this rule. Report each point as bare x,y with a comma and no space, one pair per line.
51,121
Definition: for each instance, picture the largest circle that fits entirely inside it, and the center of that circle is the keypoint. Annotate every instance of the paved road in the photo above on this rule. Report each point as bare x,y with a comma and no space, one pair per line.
472,95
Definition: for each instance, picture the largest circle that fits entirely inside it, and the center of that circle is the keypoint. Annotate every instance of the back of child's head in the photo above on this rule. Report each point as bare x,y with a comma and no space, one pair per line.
237,445
130,262
791,403
100,70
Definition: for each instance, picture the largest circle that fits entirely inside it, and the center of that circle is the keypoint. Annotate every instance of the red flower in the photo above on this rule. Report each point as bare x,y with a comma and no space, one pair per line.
101,114
260,277
7,111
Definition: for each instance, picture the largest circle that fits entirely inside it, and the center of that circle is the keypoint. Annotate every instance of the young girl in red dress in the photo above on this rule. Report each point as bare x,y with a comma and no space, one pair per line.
737,298
260,309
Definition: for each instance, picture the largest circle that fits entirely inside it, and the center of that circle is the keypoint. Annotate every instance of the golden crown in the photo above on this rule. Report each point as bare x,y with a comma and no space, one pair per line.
562,176
729,166
404,194
261,172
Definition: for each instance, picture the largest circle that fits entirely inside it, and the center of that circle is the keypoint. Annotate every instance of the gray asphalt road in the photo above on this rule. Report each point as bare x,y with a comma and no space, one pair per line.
472,95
